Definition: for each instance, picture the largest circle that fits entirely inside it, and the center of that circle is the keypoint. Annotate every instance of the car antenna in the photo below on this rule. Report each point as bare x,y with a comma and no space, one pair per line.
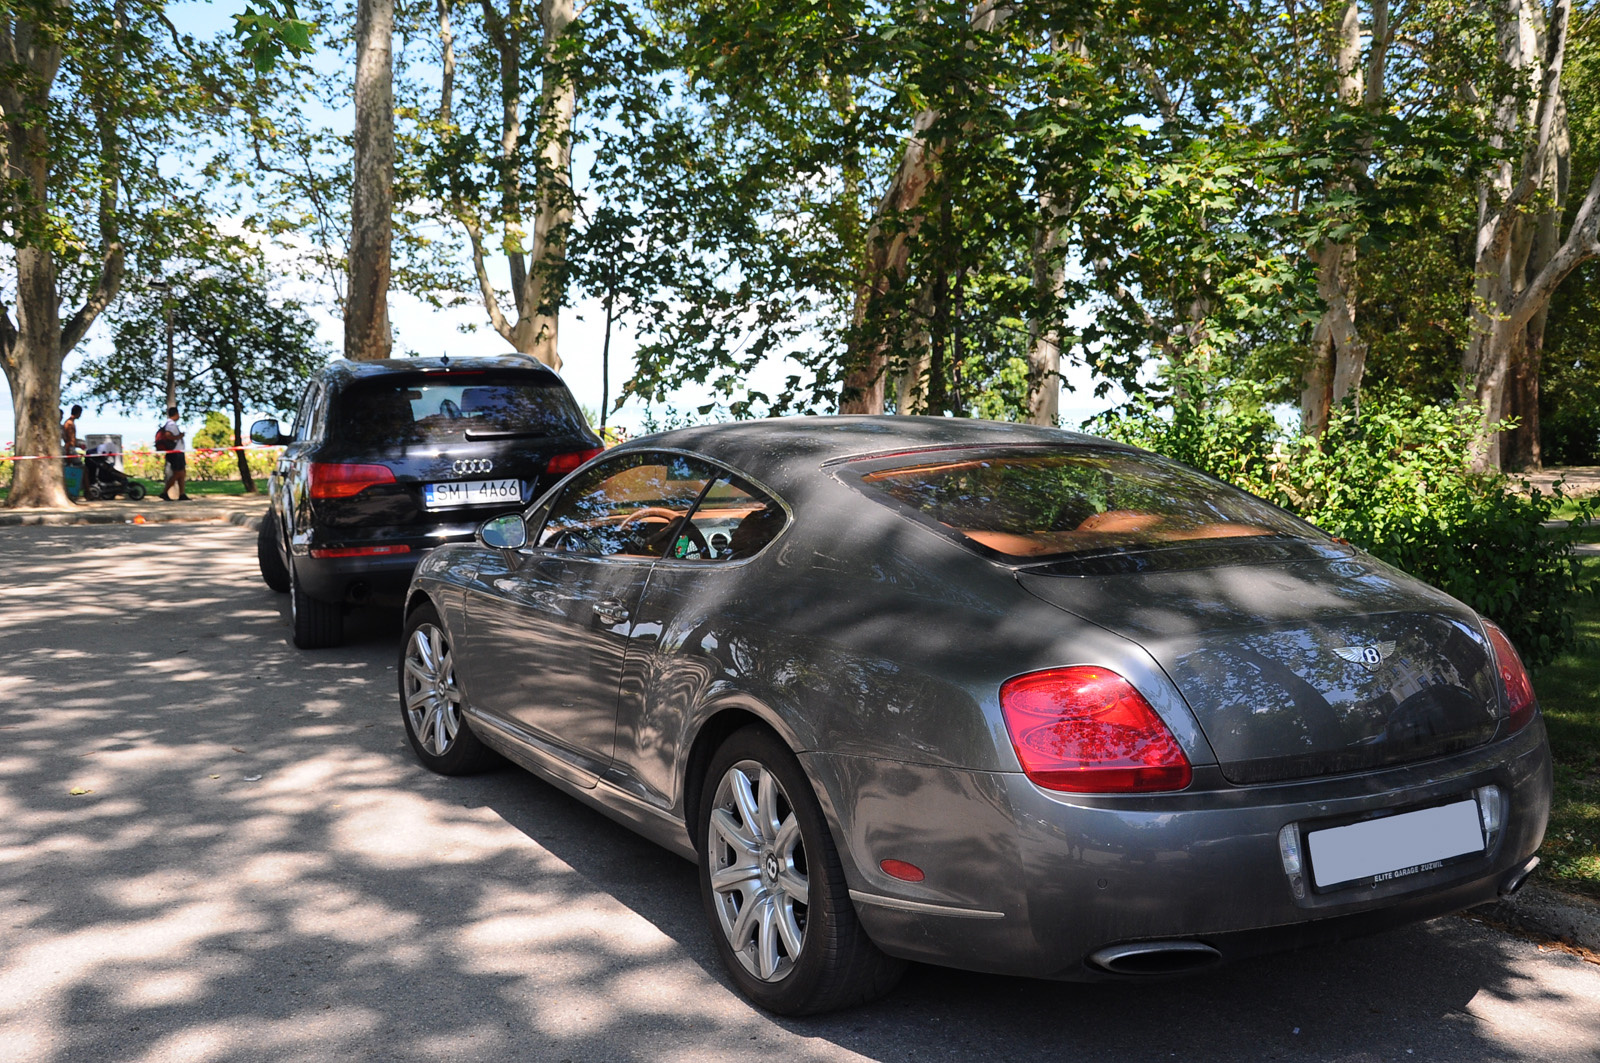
444,359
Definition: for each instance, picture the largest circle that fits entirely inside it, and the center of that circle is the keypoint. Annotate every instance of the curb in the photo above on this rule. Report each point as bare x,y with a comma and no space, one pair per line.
1547,915
242,511
56,518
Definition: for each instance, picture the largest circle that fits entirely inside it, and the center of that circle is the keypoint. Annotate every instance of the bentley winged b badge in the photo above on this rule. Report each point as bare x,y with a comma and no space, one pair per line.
1371,656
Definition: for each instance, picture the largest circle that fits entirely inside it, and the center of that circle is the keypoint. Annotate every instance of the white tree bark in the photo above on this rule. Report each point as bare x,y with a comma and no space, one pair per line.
1338,352
1521,257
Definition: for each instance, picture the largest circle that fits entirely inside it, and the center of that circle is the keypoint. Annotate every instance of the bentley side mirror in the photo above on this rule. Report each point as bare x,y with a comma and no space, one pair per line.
506,533
267,432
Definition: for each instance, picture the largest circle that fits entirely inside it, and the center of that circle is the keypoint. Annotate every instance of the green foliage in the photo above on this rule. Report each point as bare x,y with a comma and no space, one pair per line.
1394,479
1569,698
1227,431
267,29
235,346
216,432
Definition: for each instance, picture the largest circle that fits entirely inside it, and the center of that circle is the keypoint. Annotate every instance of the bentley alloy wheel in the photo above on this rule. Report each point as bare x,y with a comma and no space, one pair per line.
758,871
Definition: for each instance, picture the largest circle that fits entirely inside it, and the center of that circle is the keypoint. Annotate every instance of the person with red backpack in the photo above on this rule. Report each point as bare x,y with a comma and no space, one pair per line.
169,440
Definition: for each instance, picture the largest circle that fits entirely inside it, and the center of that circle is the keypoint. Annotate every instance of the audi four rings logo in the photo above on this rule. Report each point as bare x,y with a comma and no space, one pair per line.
467,465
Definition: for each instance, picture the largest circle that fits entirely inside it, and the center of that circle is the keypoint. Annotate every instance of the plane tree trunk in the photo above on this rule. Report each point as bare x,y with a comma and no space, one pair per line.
1520,255
35,343
366,312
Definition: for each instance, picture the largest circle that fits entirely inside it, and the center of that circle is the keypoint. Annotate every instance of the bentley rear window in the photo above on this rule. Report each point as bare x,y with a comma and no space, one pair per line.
1044,504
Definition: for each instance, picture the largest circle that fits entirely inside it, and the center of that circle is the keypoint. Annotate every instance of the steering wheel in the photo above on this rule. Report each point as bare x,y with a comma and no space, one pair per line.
697,541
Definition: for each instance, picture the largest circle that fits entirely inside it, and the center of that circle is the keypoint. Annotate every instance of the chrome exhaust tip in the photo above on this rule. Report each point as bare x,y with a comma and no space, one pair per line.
1156,958
1518,878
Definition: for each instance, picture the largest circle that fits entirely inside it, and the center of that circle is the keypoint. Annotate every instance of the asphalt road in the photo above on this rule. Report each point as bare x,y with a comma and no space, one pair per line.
214,847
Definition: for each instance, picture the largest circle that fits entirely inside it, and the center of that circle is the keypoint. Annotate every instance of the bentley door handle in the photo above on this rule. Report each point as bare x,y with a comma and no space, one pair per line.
611,611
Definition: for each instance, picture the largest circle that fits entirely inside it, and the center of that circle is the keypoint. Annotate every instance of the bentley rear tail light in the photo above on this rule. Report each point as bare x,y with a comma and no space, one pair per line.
561,464
329,480
1087,730
1513,677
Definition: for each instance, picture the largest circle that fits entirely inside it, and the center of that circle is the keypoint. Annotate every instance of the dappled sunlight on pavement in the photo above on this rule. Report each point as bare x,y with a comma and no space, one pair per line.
215,847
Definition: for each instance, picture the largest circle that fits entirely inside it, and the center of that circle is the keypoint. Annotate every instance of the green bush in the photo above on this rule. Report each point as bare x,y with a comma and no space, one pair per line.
1395,480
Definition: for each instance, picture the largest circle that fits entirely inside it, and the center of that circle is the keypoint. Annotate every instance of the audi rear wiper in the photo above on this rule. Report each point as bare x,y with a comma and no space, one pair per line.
508,433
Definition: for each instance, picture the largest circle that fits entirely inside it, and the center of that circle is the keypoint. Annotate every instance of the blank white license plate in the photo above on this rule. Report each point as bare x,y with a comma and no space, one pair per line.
1395,846
470,493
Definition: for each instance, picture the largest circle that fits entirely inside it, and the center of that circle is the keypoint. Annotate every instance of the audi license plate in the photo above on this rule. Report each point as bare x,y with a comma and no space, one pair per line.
1395,846
470,493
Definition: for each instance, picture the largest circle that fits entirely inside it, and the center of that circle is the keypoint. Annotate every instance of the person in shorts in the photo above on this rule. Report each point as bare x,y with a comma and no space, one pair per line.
177,463
69,436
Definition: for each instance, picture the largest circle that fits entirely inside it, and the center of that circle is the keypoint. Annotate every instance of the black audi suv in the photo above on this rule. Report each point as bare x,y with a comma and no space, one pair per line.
390,459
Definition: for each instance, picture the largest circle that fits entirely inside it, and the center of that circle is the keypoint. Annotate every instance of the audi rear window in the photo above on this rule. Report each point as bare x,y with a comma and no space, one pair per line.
447,407
1048,504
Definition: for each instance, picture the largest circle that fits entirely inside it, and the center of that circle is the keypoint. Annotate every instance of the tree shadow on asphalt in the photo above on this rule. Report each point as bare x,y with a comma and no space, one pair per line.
257,869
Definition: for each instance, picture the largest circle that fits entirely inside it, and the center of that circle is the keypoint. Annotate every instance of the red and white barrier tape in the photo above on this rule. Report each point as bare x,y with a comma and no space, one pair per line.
135,453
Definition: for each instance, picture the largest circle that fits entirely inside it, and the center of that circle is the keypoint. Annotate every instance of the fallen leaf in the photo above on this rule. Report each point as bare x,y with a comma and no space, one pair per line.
78,791
216,776
236,749
252,778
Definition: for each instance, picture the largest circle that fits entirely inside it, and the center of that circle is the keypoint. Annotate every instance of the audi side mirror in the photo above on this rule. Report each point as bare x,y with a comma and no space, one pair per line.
267,433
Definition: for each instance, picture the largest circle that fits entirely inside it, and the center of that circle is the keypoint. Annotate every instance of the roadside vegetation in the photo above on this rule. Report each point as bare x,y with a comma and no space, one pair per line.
1569,694
1395,479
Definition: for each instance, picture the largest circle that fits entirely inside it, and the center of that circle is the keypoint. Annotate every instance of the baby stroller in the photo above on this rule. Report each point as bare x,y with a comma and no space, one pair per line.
101,479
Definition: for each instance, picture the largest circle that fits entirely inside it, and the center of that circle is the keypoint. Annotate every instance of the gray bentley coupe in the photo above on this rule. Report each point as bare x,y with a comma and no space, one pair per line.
984,695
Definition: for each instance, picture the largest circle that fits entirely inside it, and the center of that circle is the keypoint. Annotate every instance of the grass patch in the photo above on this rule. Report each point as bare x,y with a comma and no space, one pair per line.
1569,694
1568,509
205,487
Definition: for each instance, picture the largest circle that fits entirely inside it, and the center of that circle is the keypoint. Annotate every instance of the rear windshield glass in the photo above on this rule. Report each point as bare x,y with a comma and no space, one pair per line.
1037,506
444,407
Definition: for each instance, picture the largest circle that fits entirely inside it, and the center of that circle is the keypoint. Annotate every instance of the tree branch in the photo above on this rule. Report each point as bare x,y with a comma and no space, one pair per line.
1169,109
177,38
105,290
491,301
1582,244
8,336
1377,59
1549,98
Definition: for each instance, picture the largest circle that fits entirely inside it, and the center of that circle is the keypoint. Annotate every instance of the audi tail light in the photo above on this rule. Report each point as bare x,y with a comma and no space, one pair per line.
330,480
1087,730
561,464
1513,677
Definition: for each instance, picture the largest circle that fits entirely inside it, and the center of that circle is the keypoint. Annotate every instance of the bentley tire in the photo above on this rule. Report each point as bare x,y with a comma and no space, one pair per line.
431,705
774,888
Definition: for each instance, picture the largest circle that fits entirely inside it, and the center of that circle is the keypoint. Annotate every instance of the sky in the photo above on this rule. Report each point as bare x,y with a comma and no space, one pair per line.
422,329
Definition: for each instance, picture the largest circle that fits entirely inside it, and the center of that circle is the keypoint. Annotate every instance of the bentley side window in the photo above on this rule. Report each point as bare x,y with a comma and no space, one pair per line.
632,505
733,521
